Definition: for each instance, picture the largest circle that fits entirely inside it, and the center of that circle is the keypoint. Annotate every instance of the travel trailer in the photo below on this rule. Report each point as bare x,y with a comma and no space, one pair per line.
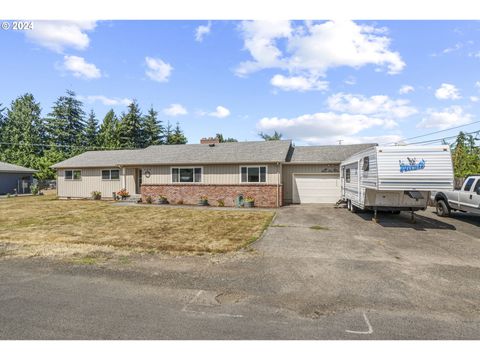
395,178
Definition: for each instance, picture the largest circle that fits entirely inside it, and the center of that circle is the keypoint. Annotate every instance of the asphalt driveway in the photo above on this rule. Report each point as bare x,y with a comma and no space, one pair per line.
317,273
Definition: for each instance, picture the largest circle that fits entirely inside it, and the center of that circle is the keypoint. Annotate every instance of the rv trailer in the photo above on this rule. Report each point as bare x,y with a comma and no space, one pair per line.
395,178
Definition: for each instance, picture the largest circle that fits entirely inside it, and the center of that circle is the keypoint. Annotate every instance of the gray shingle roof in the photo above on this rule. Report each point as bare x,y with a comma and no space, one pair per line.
240,152
249,152
325,154
102,158
11,168
235,152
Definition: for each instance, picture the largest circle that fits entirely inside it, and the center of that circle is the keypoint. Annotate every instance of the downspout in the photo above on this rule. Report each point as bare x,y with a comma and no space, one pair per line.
279,167
124,178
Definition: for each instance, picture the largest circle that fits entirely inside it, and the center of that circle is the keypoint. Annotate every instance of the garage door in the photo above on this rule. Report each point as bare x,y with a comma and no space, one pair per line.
316,188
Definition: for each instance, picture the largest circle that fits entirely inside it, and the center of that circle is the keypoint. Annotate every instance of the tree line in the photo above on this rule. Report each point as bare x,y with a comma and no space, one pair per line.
465,156
30,140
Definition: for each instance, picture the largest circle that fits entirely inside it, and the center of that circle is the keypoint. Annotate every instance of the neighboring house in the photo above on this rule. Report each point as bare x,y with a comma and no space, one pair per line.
15,179
274,173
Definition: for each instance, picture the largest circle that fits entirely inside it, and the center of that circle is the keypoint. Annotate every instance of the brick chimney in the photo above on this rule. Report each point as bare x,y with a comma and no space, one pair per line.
210,140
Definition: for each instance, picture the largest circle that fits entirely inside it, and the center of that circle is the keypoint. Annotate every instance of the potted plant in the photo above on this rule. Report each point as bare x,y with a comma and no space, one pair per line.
162,199
220,202
249,202
149,199
203,200
96,195
123,193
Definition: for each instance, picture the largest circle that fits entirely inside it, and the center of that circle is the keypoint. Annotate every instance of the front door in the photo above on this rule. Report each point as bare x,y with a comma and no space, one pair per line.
138,181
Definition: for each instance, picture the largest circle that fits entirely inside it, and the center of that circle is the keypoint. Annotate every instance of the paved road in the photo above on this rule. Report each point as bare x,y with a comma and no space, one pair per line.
353,279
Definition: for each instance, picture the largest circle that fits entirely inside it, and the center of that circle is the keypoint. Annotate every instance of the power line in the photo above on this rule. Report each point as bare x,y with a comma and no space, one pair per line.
435,132
440,139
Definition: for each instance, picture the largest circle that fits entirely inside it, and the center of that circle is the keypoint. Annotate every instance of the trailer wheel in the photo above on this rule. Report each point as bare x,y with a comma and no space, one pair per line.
353,208
395,212
442,209
349,205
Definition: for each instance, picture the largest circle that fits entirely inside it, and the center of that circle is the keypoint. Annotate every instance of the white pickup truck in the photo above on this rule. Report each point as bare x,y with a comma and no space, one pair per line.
467,199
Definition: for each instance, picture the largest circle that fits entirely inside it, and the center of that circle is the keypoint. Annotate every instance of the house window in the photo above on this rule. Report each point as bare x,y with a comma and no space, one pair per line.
73,175
347,175
366,163
186,175
253,174
111,174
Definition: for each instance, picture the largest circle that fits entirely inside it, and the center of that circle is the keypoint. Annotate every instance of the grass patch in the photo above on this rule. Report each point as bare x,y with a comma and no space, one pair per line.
45,220
319,227
279,225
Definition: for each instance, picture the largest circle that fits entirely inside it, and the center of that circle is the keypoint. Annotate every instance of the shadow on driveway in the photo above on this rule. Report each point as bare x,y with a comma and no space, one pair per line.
422,223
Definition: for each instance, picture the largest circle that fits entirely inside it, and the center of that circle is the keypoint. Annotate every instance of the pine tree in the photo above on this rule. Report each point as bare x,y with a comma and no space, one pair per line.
168,134
153,129
91,131
22,132
465,156
66,123
177,136
131,128
108,134
2,117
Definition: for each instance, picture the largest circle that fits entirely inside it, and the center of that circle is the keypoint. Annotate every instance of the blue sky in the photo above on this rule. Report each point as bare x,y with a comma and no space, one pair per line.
315,82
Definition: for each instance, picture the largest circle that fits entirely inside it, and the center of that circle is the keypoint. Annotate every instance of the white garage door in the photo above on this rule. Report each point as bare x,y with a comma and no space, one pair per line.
316,188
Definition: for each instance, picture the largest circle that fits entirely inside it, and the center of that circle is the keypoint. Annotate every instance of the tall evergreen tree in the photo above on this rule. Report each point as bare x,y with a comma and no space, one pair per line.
66,123
22,132
2,117
153,129
177,136
109,133
91,131
131,128
168,133
465,156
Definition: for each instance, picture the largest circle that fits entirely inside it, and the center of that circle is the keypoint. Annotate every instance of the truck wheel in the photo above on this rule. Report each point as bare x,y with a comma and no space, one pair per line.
349,205
442,209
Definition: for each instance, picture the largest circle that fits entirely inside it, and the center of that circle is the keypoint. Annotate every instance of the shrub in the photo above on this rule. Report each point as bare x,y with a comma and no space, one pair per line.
180,202
204,198
149,199
35,189
221,202
249,199
96,195
162,197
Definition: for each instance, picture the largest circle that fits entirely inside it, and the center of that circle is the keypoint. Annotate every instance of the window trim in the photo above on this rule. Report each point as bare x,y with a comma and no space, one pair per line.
72,170
253,166
110,172
186,167
348,175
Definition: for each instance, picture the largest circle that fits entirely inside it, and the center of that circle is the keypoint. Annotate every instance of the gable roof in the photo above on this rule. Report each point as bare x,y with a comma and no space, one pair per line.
326,153
11,168
102,158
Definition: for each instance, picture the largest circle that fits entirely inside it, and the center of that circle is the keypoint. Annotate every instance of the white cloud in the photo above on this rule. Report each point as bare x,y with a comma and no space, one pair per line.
447,92
175,110
202,30
477,84
59,35
311,49
298,83
406,89
220,112
320,127
345,140
446,118
158,70
474,98
106,100
377,105
80,68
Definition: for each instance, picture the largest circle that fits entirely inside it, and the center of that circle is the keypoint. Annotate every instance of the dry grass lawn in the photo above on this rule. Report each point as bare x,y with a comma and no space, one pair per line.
48,221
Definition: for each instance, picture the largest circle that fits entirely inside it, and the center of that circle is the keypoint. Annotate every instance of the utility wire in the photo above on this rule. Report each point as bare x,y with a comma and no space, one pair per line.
435,132
442,139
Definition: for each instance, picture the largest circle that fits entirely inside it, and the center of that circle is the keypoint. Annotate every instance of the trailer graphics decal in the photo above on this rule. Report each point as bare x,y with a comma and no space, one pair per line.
412,165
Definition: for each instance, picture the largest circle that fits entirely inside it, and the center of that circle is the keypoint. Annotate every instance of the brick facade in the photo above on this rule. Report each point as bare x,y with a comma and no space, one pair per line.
264,195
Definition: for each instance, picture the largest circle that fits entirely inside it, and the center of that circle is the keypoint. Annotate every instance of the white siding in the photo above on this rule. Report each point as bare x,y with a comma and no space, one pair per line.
92,181
212,174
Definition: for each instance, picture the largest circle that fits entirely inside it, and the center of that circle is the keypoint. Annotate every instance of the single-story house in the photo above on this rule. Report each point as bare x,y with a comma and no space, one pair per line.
274,173
15,179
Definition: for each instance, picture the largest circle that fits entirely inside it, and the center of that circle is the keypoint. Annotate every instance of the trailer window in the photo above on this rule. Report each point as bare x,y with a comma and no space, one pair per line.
468,184
366,163
347,175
